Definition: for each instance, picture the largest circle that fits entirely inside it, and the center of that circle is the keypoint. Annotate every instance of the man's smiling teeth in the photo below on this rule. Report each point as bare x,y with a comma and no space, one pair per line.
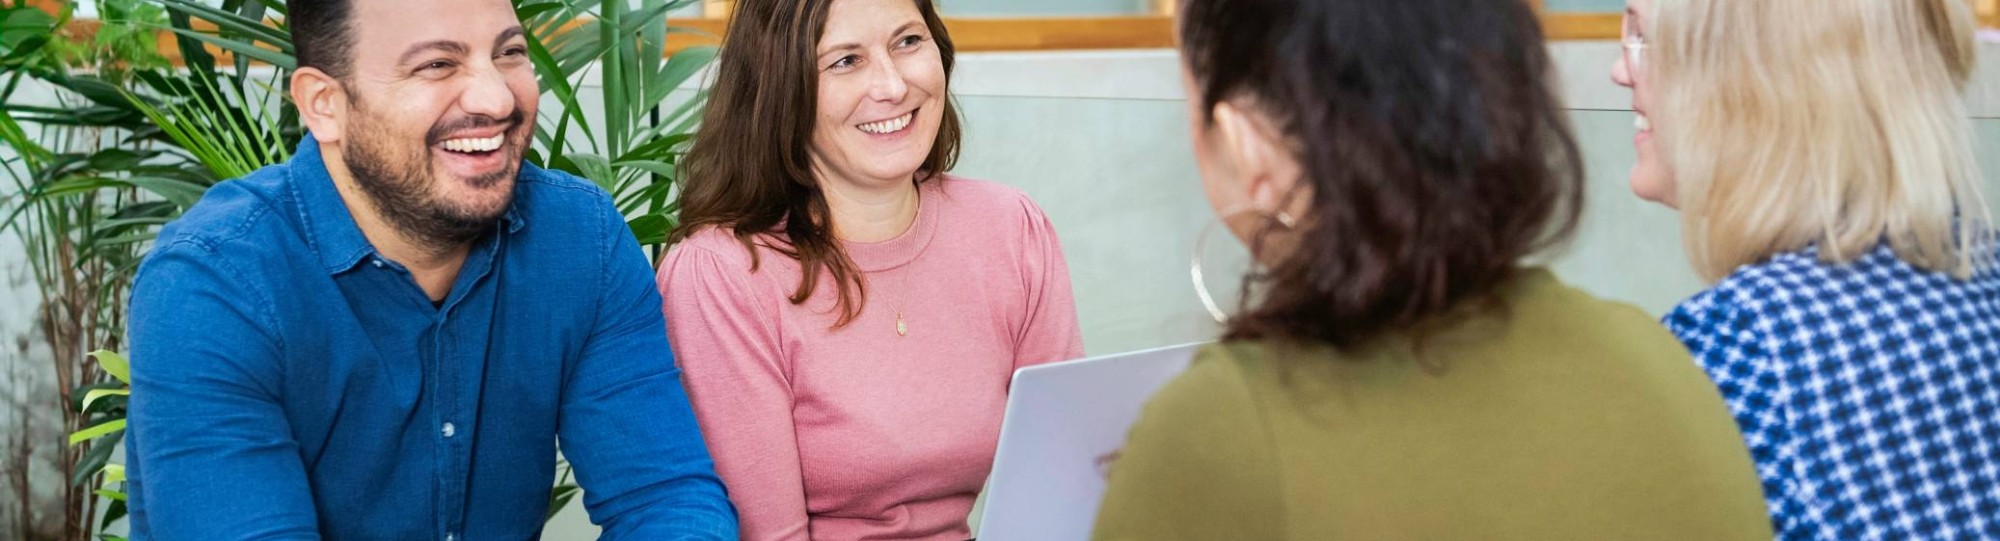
488,144
1642,123
889,126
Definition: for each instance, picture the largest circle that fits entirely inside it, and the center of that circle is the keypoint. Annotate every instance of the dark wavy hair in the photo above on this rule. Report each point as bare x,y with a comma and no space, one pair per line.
1435,151
749,171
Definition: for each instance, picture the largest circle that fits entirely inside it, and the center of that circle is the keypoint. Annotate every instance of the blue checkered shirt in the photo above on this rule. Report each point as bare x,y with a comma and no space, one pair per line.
1868,392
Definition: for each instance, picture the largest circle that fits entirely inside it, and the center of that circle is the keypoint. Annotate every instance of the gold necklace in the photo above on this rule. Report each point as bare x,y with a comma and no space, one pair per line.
902,328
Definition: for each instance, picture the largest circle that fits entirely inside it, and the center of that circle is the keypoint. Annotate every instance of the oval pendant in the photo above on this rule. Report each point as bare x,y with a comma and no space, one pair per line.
901,329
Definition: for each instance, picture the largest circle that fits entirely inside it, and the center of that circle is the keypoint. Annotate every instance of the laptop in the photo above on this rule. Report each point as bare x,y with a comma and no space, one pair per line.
1064,420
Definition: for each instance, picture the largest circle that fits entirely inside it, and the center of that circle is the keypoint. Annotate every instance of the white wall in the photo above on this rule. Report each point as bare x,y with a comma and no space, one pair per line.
26,372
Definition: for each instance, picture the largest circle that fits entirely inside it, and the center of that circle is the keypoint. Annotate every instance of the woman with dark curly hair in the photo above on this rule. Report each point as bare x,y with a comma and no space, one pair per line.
1397,371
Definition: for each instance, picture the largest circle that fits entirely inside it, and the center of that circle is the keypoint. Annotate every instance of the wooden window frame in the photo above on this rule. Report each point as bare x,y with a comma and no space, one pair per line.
1152,31
984,34
50,6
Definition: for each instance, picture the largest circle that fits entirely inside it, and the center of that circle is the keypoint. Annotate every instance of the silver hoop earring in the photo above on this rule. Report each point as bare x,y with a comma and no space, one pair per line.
1201,241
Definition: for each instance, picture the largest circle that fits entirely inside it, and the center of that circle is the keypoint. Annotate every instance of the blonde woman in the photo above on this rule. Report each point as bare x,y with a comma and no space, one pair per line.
1820,155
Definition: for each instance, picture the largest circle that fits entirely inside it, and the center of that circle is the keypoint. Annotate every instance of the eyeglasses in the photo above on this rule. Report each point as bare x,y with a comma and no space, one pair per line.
1635,44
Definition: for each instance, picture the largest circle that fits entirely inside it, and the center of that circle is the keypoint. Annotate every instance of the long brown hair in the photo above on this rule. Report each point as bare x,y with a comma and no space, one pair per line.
1436,153
750,171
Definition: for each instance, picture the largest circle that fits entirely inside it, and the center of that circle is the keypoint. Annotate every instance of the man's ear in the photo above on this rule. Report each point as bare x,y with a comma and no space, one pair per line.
322,102
1258,154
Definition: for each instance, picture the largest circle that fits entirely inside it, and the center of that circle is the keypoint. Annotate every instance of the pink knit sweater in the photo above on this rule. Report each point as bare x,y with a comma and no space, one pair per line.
857,432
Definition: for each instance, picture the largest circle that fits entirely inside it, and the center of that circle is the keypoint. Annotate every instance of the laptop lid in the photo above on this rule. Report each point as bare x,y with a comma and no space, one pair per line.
1063,421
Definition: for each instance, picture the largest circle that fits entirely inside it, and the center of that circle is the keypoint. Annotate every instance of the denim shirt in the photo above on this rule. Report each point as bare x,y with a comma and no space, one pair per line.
290,382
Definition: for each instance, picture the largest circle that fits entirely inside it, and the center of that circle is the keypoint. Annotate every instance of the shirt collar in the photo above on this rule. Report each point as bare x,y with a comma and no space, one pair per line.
330,228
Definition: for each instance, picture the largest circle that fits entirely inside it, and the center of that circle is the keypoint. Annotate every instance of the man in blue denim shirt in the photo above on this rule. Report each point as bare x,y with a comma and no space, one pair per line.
385,338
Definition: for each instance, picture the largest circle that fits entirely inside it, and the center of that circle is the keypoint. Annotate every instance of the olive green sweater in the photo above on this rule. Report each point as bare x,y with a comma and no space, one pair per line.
1560,416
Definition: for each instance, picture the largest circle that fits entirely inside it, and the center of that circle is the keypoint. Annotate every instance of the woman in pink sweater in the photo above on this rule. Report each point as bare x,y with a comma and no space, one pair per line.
847,315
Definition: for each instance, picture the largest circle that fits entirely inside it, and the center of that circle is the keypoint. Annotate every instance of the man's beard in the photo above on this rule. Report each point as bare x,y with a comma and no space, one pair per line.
397,179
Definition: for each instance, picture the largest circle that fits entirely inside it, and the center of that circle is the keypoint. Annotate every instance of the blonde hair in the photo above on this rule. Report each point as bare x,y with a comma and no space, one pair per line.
1840,123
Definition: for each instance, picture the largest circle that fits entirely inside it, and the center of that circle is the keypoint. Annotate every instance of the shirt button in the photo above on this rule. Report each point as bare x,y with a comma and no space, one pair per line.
449,430
451,537
378,263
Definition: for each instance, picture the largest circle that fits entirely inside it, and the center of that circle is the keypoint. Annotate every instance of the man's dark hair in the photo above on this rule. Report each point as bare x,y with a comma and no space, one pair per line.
321,34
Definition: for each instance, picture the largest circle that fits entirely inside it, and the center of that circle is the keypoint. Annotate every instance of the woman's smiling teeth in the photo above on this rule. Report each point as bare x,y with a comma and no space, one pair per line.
1642,123
889,126
488,144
